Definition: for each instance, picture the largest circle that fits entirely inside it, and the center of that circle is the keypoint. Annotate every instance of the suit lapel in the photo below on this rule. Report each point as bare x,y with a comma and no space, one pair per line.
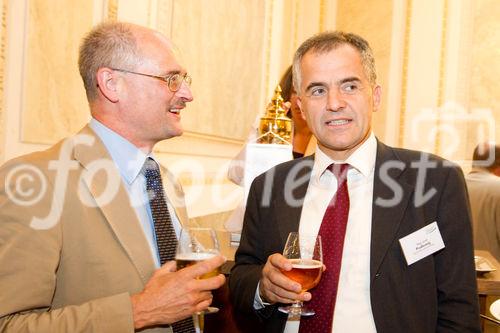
386,220
290,214
118,211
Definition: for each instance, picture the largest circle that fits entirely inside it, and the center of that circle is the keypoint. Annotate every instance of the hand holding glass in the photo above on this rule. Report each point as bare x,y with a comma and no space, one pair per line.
306,255
195,245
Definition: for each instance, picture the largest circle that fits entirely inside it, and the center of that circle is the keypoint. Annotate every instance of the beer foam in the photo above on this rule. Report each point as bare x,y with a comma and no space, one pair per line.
195,256
306,264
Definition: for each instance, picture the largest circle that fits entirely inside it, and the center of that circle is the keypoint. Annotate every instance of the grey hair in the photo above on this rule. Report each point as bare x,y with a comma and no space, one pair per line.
329,40
109,44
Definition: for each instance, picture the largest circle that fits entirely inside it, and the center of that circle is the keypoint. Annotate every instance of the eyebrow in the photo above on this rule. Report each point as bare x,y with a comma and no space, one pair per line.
340,82
176,71
314,84
349,79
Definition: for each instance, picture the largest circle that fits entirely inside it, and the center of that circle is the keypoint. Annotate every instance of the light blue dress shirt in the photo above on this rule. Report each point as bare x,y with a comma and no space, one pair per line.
129,160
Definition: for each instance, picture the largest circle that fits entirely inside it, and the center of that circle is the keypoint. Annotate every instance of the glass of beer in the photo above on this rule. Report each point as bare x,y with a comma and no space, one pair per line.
306,254
195,245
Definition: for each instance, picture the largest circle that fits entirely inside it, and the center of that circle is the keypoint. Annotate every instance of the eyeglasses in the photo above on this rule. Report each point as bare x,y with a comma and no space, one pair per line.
174,81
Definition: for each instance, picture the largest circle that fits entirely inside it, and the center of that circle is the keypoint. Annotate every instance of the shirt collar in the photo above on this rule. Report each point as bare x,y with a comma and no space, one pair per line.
480,174
127,157
362,159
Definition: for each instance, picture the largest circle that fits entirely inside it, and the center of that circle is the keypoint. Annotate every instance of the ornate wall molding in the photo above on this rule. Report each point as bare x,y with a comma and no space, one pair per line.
47,114
149,14
404,81
3,39
322,9
296,8
442,70
272,25
164,16
112,10
269,44
197,144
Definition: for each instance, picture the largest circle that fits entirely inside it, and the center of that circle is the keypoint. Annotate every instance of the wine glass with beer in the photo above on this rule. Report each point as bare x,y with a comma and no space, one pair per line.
195,245
306,254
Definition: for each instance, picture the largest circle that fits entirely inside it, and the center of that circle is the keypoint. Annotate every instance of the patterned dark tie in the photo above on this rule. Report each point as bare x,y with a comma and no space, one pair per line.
332,231
166,240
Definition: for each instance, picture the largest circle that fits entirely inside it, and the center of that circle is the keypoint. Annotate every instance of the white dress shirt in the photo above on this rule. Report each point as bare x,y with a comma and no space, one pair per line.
129,160
353,311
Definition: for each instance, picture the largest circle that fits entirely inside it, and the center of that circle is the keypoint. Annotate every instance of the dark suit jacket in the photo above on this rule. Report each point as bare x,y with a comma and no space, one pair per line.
435,294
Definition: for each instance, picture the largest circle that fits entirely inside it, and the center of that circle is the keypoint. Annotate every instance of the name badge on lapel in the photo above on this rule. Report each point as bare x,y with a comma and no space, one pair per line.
421,243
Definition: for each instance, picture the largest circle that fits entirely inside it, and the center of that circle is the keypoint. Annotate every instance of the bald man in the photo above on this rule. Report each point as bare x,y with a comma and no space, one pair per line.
84,255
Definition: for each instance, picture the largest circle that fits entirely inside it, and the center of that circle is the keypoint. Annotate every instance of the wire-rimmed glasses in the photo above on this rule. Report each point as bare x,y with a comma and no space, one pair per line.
174,81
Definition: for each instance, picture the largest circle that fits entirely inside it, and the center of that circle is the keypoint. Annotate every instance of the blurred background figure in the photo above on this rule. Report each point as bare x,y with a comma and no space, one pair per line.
303,141
301,133
303,144
483,183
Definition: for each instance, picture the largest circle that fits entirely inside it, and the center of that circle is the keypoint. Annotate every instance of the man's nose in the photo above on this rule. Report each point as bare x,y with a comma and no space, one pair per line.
185,92
335,100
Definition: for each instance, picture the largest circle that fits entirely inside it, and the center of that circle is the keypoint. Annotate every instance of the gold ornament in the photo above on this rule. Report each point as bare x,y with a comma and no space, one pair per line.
275,127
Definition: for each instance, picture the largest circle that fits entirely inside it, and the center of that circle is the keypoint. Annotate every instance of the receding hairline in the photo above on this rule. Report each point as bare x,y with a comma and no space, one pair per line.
117,44
143,36
329,41
140,32
321,51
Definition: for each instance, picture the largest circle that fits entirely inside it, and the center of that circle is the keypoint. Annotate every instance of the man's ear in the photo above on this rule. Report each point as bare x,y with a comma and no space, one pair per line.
107,83
299,104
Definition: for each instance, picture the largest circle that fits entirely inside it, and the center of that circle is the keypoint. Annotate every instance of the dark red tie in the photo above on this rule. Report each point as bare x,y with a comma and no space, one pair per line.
332,233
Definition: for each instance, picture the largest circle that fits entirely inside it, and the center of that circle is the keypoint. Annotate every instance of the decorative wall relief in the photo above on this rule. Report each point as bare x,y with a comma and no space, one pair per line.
485,67
3,34
371,20
53,98
223,51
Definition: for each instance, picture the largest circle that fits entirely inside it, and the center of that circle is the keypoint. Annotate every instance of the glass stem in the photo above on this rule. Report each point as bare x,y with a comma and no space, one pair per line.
296,308
200,316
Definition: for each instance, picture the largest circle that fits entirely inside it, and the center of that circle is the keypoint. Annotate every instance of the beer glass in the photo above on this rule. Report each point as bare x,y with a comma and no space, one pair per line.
306,255
195,245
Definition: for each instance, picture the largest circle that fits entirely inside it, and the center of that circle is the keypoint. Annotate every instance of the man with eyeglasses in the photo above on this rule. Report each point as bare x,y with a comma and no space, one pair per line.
93,252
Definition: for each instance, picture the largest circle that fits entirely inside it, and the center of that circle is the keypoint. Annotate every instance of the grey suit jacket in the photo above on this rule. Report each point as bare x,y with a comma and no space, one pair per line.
484,195
435,294
71,258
